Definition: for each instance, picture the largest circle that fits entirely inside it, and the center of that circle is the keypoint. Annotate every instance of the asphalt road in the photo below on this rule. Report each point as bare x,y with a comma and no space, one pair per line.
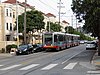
72,61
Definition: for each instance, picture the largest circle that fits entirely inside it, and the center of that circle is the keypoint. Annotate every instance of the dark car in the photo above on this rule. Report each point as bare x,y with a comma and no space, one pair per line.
24,49
37,47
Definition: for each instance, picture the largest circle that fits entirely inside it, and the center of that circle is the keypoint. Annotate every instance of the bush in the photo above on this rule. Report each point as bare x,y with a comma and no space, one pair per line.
13,46
8,47
3,50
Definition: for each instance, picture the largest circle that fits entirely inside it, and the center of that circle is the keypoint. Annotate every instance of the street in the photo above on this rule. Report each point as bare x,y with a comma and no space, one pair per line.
72,61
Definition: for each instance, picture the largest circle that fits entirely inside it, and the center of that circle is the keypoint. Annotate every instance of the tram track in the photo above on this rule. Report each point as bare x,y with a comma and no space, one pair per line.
37,57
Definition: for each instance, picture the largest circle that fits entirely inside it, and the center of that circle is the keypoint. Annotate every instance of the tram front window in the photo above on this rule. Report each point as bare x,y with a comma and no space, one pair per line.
48,39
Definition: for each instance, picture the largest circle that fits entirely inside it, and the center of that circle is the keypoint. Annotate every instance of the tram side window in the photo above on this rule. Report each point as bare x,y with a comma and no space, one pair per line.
60,37
55,38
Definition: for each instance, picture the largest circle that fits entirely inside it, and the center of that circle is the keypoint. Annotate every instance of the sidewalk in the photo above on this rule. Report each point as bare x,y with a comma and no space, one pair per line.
5,55
96,60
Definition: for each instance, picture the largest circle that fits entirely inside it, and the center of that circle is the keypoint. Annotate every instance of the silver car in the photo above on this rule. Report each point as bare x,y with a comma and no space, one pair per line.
91,45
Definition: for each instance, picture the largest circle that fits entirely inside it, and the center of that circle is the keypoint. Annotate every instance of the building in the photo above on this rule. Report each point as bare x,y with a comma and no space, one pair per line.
49,18
64,24
8,13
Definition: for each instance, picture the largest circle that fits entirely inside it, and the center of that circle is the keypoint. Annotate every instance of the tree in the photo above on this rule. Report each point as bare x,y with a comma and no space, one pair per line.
89,11
69,29
53,27
34,20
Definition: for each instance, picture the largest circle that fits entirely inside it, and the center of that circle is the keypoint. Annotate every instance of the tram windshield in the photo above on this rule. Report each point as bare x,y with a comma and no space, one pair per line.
48,38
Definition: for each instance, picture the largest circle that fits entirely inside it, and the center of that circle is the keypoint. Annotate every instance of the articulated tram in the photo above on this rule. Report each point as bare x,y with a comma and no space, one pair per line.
58,40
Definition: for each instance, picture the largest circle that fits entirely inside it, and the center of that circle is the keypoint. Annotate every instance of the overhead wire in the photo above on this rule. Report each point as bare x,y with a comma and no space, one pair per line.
50,7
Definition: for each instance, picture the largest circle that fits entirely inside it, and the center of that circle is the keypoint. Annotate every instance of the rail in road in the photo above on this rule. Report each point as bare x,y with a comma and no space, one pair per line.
31,63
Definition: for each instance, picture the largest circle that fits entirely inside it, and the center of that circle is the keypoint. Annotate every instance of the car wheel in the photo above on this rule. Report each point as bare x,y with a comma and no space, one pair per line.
32,51
27,52
57,49
95,48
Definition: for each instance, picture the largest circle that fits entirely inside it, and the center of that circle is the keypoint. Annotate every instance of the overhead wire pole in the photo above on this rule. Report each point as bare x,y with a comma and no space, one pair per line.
25,23
17,23
60,6
76,24
72,22
59,10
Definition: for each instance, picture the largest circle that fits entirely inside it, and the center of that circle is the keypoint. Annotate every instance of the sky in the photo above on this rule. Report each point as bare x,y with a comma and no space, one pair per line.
51,6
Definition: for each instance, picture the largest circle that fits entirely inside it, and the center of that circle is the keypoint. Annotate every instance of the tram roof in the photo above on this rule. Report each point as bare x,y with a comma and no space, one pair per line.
54,33
72,34
61,33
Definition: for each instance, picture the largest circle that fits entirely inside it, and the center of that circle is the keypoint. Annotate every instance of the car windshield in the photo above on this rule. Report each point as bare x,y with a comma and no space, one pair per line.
90,42
22,47
34,46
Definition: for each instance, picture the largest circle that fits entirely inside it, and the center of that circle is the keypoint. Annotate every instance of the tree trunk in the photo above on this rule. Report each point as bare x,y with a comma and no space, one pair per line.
98,46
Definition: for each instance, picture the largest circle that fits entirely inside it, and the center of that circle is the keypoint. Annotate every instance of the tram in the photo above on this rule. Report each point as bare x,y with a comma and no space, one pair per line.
58,40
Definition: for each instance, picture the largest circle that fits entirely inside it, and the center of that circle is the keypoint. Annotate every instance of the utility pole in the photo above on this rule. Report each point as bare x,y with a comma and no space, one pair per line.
76,24
17,23
49,25
72,22
25,23
60,6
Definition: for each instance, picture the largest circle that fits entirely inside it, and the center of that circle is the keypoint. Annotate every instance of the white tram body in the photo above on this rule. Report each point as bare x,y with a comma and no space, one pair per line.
59,40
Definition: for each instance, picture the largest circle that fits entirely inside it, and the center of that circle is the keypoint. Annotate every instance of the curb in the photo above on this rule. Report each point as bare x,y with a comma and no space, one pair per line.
96,61
5,55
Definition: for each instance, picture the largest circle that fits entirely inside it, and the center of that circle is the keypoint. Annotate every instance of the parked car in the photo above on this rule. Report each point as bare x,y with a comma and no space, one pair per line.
37,47
91,45
24,49
82,42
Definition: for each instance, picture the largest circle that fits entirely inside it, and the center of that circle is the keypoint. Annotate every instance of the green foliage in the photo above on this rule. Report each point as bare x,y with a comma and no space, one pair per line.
34,20
71,30
88,10
13,46
53,27
8,47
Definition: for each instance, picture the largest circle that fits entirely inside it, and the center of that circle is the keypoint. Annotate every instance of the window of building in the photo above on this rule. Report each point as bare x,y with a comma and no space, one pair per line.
6,12
10,14
10,26
7,37
7,27
13,14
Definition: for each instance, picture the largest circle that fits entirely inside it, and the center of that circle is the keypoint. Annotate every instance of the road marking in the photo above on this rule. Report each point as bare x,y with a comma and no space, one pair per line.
29,67
49,67
93,72
1,65
71,57
10,67
70,66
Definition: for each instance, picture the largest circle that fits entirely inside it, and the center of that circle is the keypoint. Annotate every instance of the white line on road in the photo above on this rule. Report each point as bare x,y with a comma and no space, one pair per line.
70,66
93,72
71,57
29,67
10,67
1,65
49,67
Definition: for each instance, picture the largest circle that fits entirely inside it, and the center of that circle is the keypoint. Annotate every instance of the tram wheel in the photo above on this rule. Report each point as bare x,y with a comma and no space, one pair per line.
57,49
